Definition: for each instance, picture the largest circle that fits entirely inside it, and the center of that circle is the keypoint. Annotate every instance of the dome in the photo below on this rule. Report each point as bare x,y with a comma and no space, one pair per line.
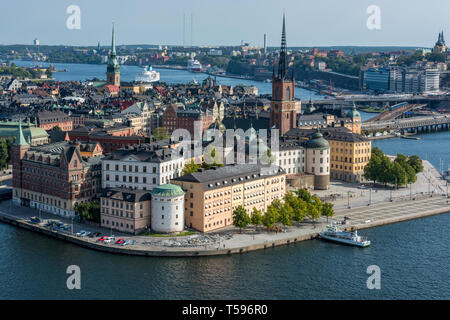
168,190
353,113
317,141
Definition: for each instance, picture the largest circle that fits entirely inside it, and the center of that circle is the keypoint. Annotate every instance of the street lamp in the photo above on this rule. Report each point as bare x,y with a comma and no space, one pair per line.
348,199
370,196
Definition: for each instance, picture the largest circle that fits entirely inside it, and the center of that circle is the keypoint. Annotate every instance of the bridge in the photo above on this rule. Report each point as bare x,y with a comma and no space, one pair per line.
396,111
384,100
414,124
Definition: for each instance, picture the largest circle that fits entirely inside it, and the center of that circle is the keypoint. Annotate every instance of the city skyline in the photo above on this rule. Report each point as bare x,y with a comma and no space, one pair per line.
307,24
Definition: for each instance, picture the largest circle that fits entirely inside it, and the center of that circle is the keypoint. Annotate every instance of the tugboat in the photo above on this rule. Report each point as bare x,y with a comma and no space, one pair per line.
350,238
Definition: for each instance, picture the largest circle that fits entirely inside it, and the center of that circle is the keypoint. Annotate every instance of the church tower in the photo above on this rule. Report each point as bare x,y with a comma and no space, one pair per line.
18,150
113,69
283,114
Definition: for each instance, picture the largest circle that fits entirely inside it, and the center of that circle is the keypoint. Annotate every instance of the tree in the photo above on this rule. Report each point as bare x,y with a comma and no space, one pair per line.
298,206
57,128
190,168
285,215
256,218
313,212
241,218
416,163
270,217
327,210
161,133
304,195
4,156
88,211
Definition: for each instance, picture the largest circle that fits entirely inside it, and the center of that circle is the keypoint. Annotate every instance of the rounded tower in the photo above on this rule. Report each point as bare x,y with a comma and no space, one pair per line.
318,160
167,209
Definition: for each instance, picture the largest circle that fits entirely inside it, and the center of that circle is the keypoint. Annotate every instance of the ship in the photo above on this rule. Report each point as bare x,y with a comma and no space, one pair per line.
148,75
194,65
349,238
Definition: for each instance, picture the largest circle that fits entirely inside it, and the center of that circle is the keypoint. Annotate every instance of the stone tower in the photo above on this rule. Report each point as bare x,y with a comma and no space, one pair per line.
18,150
113,69
283,114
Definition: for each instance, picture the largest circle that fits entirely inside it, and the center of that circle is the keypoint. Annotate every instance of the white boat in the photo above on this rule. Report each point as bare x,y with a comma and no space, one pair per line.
350,238
194,65
148,75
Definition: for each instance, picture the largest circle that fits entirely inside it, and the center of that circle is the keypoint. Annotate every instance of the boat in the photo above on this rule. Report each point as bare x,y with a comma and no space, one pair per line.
349,238
148,75
411,138
194,65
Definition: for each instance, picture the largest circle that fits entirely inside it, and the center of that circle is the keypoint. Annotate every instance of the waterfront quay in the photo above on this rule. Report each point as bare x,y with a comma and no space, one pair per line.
231,241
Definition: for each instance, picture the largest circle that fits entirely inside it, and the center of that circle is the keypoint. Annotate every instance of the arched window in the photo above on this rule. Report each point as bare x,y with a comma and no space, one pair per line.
288,93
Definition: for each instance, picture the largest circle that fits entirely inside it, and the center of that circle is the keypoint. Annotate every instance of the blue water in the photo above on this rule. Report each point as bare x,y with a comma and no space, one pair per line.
413,257
81,72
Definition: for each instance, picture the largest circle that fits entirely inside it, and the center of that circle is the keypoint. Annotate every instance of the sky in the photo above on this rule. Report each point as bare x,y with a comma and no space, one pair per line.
308,23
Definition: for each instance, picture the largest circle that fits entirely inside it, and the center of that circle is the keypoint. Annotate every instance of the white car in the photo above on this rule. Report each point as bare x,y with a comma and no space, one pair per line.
82,233
109,240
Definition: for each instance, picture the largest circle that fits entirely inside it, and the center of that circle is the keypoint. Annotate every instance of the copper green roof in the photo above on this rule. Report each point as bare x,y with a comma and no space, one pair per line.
353,113
317,141
168,190
29,131
20,140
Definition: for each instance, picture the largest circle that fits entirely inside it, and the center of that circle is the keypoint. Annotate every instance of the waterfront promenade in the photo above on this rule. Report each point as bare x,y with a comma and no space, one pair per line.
231,241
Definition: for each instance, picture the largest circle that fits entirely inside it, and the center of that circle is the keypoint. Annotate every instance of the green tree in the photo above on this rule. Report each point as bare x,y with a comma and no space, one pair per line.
4,156
57,128
304,195
256,217
161,133
313,212
241,218
270,217
190,168
327,210
416,163
88,210
285,215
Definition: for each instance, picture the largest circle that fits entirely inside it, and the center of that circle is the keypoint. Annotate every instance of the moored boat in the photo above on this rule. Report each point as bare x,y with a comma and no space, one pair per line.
349,238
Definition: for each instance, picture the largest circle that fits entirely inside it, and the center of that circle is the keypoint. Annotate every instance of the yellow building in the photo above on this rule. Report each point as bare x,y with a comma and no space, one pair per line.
212,195
354,125
349,152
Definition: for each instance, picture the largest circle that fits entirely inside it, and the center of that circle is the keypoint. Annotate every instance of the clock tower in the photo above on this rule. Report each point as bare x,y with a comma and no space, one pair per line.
283,115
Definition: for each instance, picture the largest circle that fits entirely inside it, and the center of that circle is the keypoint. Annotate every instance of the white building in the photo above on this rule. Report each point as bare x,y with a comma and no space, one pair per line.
141,167
167,209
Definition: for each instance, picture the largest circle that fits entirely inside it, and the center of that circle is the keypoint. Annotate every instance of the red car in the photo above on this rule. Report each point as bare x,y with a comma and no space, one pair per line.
120,241
102,238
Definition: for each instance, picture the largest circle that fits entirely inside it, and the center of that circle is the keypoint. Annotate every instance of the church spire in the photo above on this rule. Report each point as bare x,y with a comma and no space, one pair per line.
113,41
20,139
282,65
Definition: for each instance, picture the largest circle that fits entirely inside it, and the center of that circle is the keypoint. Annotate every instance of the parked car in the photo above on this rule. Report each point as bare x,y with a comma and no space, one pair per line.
108,240
67,227
82,233
120,241
102,238
126,242
35,220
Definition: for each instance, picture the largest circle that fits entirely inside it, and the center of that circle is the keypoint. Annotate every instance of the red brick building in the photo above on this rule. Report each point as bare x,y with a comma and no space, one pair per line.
47,120
53,177
177,118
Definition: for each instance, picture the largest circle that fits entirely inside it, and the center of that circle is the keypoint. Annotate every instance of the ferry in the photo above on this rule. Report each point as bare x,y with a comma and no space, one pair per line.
350,238
148,75
194,65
